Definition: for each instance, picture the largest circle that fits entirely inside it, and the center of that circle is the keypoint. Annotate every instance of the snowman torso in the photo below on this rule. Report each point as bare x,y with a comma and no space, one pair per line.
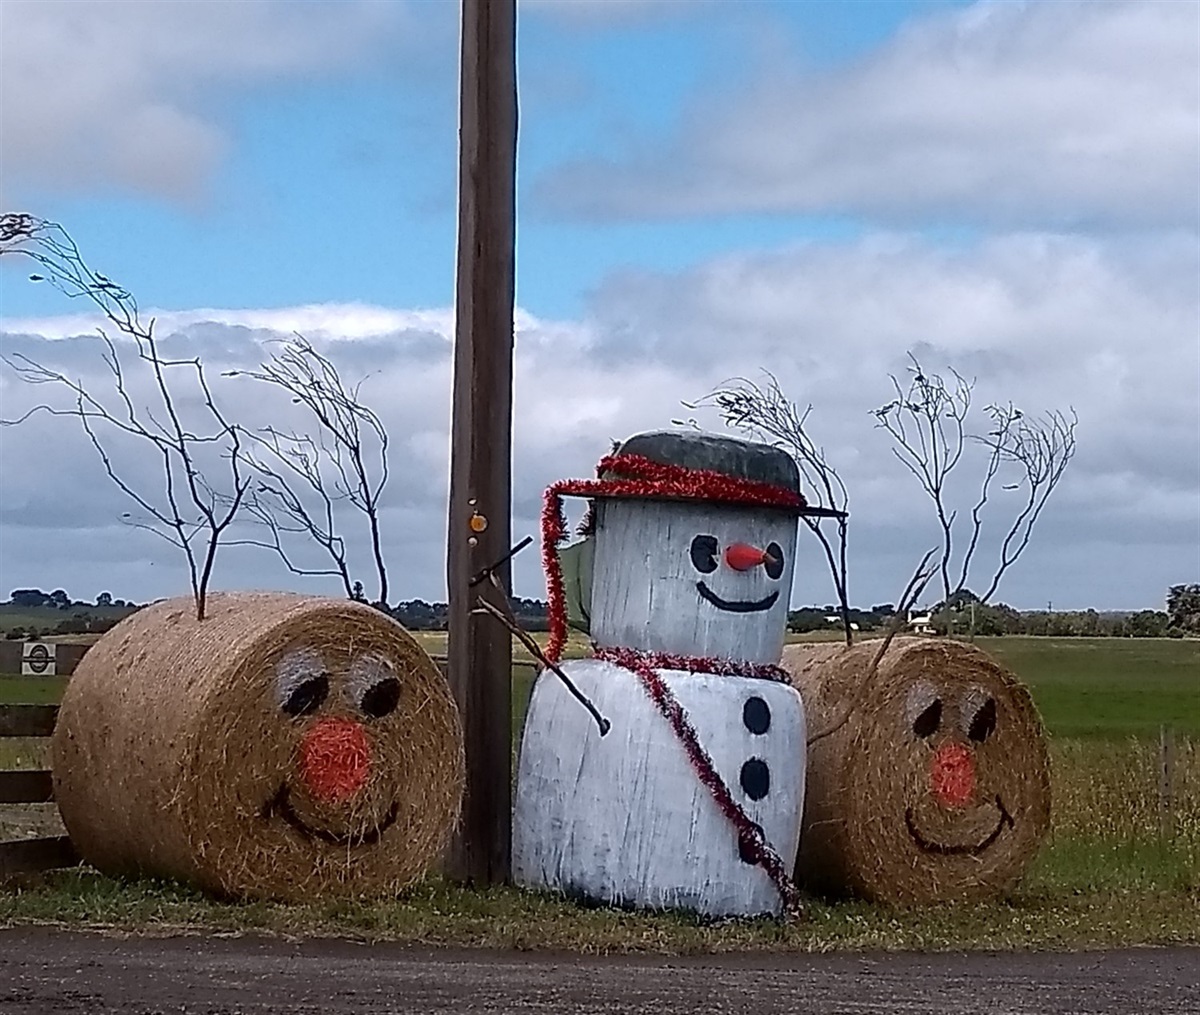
624,819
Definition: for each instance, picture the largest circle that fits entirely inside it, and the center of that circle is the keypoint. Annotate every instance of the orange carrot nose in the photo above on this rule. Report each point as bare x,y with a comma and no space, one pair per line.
335,759
743,556
952,775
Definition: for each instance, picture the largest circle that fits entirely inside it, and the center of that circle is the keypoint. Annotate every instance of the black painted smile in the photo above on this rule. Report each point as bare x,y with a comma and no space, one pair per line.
279,804
943,850
737,606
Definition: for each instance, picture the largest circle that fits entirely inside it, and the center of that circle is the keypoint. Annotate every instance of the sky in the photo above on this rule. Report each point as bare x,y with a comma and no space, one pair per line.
706,190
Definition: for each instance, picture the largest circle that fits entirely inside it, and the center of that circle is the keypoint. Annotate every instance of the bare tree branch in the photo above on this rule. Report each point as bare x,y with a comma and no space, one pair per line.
936,414
767,414
1042,448
185,489
303,478
927,421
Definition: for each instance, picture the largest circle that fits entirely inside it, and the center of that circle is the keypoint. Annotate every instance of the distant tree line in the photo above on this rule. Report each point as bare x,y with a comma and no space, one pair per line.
965,614
75,616
962,615
418,615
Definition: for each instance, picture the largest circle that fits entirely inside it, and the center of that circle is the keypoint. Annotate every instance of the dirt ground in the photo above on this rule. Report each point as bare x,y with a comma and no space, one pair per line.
49,972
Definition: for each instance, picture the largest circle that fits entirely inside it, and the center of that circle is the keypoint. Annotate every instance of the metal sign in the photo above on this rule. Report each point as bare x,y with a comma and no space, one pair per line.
38,659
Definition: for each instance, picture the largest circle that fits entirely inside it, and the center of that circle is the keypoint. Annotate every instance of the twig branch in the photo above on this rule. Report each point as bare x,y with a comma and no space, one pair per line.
535,650
346,461
927,421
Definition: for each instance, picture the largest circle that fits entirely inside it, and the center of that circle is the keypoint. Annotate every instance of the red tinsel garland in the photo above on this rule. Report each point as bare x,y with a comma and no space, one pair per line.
638,476
694,664
752,843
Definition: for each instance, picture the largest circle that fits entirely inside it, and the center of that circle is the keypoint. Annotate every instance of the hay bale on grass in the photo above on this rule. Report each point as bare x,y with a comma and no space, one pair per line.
936,787
285,747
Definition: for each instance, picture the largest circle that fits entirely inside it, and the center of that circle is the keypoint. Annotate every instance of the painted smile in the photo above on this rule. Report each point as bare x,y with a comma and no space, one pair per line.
280,805
943,850
737,606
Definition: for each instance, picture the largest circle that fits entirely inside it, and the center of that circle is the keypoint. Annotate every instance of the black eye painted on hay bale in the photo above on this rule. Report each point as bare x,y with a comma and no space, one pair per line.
382,698
704,554
756,778
774,565
927,722
308,697
984,723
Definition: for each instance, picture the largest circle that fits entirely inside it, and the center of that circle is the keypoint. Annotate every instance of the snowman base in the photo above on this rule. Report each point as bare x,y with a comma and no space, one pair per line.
625,819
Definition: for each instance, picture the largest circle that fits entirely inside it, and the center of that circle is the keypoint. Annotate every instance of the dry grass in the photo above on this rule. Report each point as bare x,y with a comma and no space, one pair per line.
1112,826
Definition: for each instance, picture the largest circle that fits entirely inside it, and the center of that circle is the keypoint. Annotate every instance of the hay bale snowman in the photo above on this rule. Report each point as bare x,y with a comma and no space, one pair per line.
693,800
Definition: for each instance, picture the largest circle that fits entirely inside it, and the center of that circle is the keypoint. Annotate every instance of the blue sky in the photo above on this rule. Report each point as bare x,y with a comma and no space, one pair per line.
342,188
705,189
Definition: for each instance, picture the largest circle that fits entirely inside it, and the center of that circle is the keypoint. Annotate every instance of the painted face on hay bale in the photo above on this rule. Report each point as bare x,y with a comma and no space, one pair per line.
960,808
285,747
340,789
938,786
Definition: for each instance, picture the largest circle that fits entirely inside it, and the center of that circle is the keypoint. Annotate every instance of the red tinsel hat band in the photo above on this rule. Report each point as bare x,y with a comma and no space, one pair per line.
638,476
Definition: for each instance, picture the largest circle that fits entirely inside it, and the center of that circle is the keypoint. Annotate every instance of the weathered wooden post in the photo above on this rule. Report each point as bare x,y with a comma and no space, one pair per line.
693,799
480,650
1166,774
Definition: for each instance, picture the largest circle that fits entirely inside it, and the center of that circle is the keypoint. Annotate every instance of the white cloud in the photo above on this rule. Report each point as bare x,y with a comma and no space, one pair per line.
1047,321
120,93
1066,113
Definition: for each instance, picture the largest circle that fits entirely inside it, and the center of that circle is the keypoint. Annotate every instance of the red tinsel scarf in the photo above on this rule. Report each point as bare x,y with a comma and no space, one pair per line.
752,843
638,476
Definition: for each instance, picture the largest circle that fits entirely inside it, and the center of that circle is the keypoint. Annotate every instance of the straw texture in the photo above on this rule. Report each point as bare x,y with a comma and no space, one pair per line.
285,747
937,785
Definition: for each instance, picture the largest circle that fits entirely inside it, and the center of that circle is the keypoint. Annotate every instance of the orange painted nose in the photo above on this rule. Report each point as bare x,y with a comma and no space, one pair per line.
743,556
952,775
335,759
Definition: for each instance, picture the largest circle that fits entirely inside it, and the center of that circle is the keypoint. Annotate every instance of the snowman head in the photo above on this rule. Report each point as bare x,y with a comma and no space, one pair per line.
695,539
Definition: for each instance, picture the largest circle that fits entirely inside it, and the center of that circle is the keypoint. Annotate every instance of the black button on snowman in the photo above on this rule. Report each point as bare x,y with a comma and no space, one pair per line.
694,798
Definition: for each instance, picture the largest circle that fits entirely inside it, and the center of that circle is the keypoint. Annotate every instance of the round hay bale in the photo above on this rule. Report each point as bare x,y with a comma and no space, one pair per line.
285,747
937,785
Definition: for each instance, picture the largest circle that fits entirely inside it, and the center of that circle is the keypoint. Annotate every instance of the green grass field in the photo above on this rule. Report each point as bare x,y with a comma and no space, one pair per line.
1108,688
1096,688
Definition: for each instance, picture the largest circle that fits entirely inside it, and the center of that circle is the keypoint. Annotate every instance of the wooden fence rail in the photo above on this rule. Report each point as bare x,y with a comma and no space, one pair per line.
30,787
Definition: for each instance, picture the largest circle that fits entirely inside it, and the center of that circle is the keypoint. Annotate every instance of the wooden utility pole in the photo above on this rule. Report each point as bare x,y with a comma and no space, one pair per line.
480,526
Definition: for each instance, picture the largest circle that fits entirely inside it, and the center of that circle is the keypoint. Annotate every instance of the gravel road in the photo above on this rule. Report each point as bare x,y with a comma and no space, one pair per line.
51,972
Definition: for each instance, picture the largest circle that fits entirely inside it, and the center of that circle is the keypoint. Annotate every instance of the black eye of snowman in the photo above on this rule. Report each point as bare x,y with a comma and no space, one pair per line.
301,683
704,554
774,561
373,687
308,697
